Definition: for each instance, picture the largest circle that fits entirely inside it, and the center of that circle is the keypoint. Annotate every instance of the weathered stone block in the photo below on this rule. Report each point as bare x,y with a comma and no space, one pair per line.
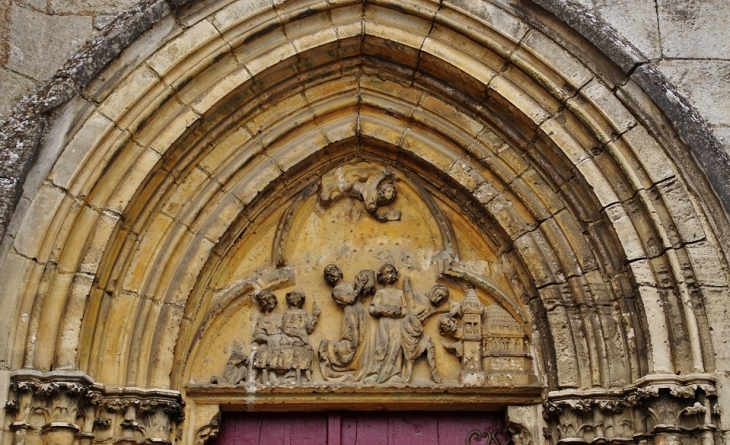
400,27
694,29
137,90
636,21
214,224
563,139
73,314
89,7
426,146
539,256
558,58
253,180
602,187
227,147
579,243
129,60
103,230
145,251
626,232
608,105
661,355
184,189
652,157
704,82
32,232
679,204
15,271
520,99
133,178
706,264
79,148
15,87
54,39
465,175
497,18
477,62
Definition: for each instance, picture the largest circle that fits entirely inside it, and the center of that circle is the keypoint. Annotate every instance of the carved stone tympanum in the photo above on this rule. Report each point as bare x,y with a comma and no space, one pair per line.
342,293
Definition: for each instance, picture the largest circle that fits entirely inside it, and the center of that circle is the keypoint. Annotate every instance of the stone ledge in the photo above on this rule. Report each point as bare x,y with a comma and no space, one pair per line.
336,397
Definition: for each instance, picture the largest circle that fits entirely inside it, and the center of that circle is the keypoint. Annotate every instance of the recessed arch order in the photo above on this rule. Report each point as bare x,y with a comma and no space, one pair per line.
223,111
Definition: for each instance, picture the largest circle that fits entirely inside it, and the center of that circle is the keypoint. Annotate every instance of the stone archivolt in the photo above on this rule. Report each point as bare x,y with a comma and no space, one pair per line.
546,176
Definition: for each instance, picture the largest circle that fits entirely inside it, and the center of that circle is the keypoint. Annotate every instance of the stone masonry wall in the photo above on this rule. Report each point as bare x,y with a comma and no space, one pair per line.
688,41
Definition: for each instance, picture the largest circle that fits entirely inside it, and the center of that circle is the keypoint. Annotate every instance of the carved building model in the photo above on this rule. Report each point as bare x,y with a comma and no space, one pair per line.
308,206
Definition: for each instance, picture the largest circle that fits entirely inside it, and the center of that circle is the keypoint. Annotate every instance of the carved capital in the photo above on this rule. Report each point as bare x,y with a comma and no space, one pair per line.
63,407
652,408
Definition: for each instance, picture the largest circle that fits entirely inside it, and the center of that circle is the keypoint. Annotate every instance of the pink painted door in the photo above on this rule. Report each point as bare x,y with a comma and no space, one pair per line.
346,428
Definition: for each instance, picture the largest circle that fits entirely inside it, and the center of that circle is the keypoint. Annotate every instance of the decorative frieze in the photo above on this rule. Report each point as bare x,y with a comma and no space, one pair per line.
64,407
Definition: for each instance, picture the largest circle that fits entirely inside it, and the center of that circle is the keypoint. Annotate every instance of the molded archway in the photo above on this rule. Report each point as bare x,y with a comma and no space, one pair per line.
198,129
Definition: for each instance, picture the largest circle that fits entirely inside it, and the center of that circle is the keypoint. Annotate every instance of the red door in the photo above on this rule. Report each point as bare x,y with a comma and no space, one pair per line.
381,428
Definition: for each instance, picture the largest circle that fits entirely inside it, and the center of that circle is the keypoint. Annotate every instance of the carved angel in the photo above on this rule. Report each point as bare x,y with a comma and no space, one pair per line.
371,184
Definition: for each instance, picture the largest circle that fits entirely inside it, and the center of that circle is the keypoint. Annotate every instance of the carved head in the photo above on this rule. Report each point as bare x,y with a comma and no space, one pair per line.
332,274
438,294
295,299
266,300
387,274
386,193
364,283
447,325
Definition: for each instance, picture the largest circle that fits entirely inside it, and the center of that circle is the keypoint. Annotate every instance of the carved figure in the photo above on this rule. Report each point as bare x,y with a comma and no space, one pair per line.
371,184
268,335
388,306
283,339
414,341
341,360
236,368
297,324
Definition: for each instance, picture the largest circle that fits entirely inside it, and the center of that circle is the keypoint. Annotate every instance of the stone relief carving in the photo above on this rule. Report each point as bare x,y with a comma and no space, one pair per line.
488,341
236,371
372,184
382,326
283,339
340,360
381,336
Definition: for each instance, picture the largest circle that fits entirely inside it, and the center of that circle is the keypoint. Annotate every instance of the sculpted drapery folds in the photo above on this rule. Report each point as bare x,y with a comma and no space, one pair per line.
343,359
388,306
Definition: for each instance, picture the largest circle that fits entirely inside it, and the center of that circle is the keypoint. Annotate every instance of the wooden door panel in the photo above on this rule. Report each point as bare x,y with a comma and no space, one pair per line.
347,428
389,429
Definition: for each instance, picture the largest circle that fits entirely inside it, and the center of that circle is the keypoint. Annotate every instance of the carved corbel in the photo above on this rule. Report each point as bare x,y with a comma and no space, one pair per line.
209,430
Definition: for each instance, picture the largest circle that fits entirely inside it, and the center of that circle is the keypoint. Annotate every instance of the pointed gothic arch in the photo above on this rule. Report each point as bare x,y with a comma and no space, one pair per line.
223,111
